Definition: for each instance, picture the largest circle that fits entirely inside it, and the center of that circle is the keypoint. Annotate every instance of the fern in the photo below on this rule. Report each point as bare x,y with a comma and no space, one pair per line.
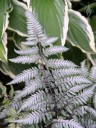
56,90
65,124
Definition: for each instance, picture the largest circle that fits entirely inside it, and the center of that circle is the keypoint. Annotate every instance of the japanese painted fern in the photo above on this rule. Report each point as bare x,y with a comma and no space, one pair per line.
57,93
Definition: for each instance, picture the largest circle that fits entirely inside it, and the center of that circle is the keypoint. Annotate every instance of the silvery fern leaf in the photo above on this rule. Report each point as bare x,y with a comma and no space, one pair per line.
92,126
28,51
3,113
31,87
78,88
60,123
48,41
35,118
59,63
73,81
84,68
83,97
26,59
25,75
39,106
58,73
85,110
54,50
93,73
29,42
16,104
34,99
32,126
34,28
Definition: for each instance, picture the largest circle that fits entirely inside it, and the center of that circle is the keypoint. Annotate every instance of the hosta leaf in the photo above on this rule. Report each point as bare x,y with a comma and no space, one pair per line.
3,48
80,33
17,20
66,22
50,14
4,7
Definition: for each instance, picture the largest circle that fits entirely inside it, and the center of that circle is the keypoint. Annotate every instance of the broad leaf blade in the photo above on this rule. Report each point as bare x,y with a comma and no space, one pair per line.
50,14
17,20
4,7
80,33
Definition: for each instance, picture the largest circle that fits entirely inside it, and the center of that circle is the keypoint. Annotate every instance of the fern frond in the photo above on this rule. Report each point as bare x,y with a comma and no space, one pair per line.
26,59
59,63
33,26
25,75
29,42
49,41
31,87
83,97
84,68
66,72
34,99
28,51
73,80
4,114
39,106
78,88
93,73
16,104
85,110
60,123
54,50
92,126
35,118
86,120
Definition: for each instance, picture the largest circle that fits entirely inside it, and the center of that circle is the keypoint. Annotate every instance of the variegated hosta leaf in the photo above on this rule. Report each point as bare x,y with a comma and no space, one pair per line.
4,21
3,48
17,20
66,22
56,15
80,32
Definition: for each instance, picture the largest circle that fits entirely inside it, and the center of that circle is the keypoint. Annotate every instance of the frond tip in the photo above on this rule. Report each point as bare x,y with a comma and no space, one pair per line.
25,75
35,118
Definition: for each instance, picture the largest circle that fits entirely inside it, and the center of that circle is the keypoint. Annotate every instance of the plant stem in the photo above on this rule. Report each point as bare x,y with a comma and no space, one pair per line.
93,5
